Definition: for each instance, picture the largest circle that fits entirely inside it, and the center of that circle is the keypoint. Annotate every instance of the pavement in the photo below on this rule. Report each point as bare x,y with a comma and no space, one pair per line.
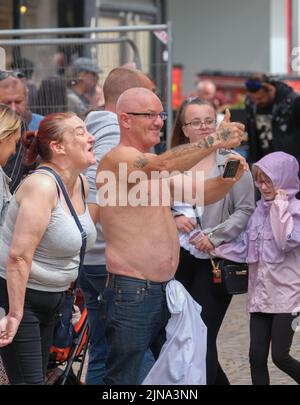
233,347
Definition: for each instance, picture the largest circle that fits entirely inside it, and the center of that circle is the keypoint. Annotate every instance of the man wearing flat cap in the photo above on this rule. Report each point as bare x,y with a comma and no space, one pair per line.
84,77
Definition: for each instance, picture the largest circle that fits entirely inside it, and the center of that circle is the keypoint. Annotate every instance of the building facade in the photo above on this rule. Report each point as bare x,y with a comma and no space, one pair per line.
225,35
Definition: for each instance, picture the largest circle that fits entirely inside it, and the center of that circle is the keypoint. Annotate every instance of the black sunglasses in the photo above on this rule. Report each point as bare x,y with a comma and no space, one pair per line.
254,85
4,74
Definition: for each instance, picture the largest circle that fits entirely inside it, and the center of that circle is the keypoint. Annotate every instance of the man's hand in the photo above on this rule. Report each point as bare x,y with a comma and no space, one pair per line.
230,134
185,224
226,119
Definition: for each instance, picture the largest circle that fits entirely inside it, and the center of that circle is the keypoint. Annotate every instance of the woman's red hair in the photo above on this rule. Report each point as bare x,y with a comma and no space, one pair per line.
51,129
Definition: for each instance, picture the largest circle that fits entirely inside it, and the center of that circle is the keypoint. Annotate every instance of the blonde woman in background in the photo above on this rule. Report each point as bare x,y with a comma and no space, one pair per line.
10,130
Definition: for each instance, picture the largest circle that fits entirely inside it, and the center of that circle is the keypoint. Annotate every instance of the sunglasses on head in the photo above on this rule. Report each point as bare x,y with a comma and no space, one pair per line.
254,85
191,99
4,74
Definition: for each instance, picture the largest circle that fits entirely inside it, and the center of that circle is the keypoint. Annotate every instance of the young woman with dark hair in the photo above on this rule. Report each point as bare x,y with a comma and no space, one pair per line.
201,229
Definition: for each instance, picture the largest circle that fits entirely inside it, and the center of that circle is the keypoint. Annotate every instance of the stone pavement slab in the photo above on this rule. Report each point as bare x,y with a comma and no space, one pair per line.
233,347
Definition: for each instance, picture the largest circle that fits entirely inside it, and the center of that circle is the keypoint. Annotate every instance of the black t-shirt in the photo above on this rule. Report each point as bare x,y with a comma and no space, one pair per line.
263,123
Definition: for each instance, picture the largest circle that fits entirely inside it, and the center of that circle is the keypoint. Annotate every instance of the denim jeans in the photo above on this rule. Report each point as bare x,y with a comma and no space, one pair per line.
92,284
136,315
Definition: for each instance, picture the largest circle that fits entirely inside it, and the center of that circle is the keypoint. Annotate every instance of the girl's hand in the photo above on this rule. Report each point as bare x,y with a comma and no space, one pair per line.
203,244
185,224
281,195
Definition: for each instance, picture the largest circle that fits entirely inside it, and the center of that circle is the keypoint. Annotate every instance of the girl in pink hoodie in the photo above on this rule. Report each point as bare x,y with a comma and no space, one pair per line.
271,247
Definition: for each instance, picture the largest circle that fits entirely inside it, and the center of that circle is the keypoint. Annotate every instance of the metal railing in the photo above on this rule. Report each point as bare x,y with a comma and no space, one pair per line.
88,31
79,41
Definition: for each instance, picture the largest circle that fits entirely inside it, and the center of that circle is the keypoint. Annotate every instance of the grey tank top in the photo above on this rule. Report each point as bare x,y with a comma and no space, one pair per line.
56,259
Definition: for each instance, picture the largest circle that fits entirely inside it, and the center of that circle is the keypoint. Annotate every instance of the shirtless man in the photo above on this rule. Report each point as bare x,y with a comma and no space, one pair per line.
142,247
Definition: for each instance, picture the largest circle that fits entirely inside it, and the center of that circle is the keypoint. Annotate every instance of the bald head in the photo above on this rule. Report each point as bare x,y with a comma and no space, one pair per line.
139,114
13,92
13,83
206,90
137,99
121,79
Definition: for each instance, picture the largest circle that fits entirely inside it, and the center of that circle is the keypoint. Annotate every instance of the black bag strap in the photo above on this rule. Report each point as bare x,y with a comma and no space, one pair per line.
82,188
73,212
197,218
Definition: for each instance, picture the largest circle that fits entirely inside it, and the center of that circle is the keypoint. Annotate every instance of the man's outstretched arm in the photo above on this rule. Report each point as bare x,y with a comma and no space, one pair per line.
205,192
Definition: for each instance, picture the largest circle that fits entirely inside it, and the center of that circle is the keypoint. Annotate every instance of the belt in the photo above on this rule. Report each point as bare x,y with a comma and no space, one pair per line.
112,278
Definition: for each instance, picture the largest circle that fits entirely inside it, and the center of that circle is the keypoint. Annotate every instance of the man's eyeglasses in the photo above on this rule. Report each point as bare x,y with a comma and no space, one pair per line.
151,115
4,74
197,123
254,85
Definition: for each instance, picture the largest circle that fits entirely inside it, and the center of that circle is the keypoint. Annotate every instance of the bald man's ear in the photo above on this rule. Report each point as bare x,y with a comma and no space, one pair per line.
124,120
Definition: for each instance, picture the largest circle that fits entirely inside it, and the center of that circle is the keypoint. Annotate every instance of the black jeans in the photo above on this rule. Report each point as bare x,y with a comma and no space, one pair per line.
196,276
275,330
26,358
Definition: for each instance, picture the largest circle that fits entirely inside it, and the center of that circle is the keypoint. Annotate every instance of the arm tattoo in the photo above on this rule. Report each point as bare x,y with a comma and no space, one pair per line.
141,162
179,148
206,143
210,140
202,144
225,134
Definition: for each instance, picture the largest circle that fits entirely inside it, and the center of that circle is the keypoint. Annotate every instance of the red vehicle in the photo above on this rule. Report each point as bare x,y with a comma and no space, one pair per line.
231,84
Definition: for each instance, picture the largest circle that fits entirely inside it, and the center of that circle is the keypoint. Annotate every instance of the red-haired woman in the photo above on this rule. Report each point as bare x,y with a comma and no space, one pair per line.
40,244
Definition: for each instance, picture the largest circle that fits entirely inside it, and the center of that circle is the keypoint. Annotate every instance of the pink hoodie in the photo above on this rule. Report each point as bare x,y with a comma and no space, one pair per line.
271,242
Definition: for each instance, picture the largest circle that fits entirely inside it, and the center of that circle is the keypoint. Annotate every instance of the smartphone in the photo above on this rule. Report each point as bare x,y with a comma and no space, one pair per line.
231,168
